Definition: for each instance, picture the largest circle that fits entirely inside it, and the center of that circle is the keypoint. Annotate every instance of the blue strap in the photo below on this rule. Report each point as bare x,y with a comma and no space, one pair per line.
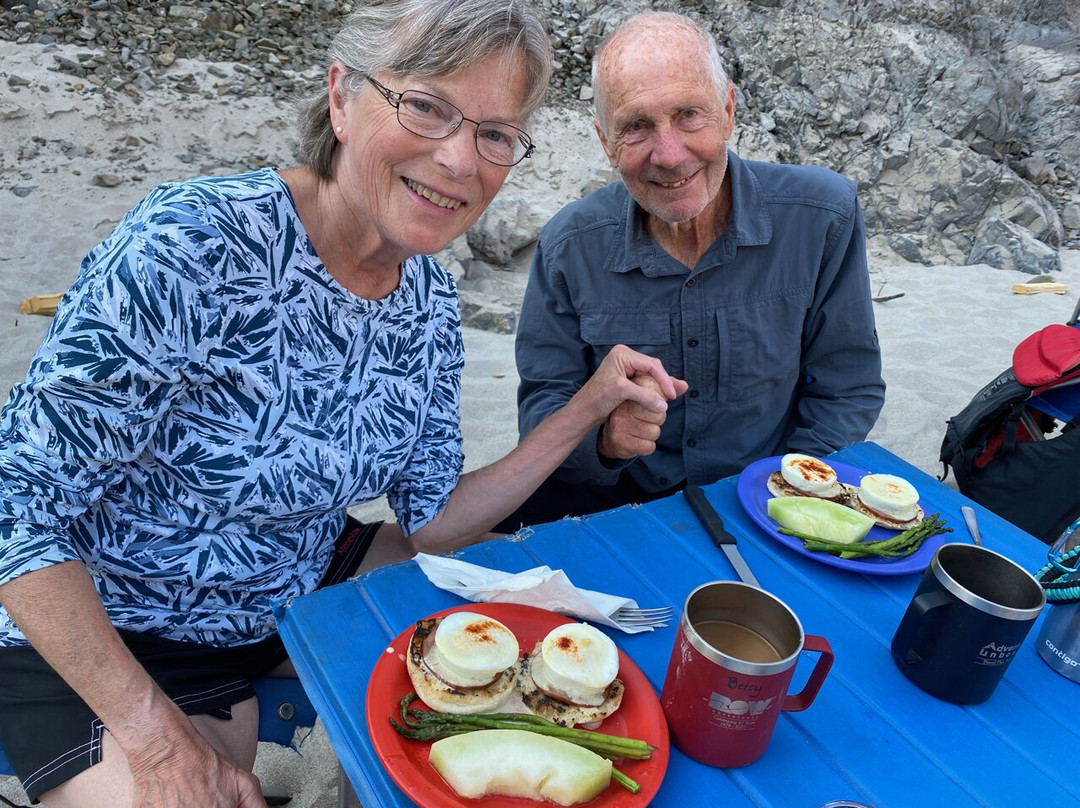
1060,578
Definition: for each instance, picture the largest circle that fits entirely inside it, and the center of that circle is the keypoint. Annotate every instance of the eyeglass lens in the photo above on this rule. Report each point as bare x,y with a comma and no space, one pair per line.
432,117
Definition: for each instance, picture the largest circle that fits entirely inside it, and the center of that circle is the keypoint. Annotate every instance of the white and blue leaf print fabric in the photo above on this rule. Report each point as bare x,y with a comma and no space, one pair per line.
207,403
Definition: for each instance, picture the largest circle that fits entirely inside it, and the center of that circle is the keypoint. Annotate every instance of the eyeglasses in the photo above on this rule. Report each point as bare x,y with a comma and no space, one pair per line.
435,118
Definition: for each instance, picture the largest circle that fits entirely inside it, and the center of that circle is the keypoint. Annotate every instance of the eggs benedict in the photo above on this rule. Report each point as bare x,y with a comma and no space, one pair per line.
890,501
463,663
570,676
805,476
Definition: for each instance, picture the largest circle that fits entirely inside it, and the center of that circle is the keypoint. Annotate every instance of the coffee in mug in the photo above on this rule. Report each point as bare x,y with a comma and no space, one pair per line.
737,641
968,618
734,657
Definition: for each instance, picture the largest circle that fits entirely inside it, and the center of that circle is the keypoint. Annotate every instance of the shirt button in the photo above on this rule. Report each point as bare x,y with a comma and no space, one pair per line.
662,480
691,443
693,343
691,282
694,393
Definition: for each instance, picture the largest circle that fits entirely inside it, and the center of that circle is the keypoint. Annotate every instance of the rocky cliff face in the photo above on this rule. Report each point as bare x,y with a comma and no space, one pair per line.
960,119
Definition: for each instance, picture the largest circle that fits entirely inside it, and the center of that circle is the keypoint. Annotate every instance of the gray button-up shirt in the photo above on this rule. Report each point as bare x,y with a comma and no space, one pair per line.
773,329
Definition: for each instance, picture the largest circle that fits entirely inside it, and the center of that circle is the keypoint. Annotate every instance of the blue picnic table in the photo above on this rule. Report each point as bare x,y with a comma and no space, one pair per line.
871,736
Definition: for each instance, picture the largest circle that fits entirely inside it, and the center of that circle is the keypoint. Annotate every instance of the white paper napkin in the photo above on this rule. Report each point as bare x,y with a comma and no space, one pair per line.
542,587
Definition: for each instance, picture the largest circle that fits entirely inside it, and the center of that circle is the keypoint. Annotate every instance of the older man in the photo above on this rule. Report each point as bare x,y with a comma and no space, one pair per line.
747,279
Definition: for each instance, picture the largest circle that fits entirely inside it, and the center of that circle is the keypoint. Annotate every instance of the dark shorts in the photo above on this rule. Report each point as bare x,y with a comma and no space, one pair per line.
50,735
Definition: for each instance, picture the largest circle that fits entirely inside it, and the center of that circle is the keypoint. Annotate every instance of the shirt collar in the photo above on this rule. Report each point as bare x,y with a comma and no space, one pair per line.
750,224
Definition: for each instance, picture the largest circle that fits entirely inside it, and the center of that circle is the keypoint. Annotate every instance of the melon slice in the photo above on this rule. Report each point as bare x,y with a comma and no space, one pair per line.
820,518
518,763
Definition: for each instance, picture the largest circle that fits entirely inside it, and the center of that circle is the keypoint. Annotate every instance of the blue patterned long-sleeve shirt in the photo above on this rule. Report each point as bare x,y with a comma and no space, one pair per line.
207,403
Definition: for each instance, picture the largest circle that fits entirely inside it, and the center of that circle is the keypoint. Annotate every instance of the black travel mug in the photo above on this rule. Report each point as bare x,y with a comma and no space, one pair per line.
968,618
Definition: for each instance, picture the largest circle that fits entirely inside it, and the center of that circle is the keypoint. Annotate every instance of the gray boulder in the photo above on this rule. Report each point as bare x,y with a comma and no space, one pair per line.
509,224
1006,245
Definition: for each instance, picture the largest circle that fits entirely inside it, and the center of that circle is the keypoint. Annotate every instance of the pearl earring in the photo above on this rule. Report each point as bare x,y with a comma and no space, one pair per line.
338,129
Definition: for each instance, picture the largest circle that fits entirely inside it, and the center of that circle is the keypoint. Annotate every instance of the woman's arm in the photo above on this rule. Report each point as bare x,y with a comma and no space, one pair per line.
109,369
59,611
487,495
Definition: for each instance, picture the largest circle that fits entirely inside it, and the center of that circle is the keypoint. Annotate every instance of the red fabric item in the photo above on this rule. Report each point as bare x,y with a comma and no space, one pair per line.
1043,422
1047,356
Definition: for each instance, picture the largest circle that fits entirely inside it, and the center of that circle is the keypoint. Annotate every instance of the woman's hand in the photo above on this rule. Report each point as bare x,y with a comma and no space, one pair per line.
614,383
193,775
172,766
484,496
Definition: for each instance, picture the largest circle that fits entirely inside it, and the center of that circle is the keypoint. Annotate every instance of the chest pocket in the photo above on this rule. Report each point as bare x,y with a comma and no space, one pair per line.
644,330
761,346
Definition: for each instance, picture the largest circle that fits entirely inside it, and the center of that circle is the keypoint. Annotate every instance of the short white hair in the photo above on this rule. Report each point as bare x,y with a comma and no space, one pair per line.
714,65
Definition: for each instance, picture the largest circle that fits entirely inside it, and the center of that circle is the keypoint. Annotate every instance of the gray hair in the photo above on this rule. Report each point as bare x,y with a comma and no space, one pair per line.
426,38
714,65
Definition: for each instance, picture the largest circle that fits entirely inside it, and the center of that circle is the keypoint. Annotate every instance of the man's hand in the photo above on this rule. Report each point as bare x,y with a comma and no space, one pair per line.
632,430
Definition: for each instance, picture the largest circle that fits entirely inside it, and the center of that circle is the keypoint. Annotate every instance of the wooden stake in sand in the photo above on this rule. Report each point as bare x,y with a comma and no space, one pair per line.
1035,288
41,304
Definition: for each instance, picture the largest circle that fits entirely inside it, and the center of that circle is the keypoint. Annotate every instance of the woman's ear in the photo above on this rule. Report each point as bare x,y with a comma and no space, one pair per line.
338,96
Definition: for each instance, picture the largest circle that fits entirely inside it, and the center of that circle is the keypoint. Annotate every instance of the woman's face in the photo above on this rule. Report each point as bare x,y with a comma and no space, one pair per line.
420,194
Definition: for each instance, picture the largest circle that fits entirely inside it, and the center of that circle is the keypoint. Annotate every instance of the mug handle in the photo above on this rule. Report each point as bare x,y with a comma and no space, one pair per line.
926,602
805,697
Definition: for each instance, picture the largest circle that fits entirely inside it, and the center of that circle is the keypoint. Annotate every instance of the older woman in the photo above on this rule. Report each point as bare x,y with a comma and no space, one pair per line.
239,361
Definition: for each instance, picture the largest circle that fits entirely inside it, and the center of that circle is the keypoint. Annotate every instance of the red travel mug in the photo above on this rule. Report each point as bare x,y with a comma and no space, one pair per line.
727,681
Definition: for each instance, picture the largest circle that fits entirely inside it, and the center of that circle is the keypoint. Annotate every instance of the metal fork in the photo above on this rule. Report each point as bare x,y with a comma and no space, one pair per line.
632,616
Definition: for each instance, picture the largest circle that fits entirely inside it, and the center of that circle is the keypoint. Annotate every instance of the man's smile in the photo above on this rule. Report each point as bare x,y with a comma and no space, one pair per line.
672,184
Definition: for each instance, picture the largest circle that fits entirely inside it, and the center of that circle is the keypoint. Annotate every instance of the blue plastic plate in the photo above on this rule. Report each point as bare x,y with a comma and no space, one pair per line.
754,496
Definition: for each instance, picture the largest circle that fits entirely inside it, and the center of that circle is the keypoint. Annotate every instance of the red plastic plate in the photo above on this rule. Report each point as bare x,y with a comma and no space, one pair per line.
640,716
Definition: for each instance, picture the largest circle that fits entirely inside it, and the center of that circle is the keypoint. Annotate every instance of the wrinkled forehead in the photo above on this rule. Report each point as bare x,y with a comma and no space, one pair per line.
636,66
654,48
649,40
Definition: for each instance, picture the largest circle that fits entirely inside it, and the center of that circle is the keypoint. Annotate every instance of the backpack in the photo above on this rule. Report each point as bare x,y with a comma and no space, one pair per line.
1015,448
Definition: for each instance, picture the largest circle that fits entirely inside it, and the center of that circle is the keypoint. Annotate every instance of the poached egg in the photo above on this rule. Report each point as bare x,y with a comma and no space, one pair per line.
576,662
470,650
810,476
890,496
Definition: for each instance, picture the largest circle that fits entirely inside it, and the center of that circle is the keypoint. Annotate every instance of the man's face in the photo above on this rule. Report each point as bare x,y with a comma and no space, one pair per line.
666,124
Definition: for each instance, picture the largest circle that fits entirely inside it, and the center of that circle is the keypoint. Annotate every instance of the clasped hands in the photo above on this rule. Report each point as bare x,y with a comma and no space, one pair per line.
628,397
631,430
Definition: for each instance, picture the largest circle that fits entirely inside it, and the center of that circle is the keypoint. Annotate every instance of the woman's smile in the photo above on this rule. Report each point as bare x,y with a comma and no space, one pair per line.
432,196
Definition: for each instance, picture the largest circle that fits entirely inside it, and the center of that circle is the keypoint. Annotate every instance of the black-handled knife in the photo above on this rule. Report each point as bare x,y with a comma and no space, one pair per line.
714,526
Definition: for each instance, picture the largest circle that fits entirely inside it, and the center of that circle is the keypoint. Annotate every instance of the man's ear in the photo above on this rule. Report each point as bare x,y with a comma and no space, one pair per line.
729,112
612,157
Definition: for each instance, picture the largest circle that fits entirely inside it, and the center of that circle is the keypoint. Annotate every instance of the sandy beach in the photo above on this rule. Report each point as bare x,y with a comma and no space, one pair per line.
72,163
